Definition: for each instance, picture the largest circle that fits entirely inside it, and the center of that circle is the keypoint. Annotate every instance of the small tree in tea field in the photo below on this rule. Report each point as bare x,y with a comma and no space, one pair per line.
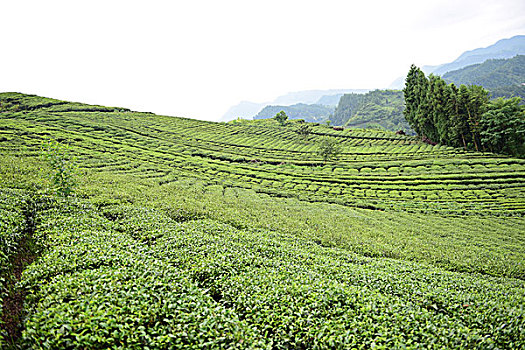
304,131
281,117
329,149
63,167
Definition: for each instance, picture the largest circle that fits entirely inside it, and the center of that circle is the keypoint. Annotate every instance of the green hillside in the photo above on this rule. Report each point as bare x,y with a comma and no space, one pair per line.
509,91
192,234
379,108
310,113
503,77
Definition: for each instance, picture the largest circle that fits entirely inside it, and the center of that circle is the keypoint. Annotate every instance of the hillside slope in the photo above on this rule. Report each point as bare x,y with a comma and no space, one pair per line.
502,77
247,109
491,74
186,233
310,113
379,108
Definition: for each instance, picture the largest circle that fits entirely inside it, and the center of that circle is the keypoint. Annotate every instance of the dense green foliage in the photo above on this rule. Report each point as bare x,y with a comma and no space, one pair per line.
379,108
442,113
203,283
310,113
193,234
503,126
15,102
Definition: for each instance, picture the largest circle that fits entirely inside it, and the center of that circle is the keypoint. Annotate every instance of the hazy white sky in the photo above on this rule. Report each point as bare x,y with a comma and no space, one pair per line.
196,58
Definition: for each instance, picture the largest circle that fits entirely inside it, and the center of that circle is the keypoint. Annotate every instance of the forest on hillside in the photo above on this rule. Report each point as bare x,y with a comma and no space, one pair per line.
463,117
384,108
494,73
502,77
377,109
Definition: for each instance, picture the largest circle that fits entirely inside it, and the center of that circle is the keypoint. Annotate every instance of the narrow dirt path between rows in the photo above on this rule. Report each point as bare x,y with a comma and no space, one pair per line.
14,303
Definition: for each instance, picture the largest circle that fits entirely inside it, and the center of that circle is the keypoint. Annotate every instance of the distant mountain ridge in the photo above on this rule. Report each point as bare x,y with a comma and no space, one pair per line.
491,74
502,49
329,100
387,114
308,112
244,109
502,77
248,110
310,96
505,48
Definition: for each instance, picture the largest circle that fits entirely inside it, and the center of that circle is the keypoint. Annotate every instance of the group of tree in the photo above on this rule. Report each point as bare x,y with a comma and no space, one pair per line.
464,116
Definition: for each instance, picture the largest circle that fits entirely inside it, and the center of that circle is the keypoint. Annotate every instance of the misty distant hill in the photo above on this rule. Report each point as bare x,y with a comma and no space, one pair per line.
505,48
245,110
310,113
311,96
248,110
329,100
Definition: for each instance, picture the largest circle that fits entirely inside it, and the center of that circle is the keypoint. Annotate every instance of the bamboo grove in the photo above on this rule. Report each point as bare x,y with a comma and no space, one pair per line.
463,117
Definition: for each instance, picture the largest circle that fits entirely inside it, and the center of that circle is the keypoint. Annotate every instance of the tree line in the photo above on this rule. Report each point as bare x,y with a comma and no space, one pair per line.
463,117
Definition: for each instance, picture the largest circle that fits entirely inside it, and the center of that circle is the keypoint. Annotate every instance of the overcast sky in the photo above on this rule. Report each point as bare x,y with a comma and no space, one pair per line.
196,58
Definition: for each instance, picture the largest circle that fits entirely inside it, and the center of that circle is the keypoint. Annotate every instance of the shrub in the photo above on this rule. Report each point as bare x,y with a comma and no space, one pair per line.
63,167
329,149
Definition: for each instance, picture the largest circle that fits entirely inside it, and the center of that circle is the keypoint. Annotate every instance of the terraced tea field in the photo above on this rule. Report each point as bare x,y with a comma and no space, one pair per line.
186,233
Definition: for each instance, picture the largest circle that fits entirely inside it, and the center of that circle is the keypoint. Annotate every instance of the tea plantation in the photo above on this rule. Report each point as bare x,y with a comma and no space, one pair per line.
191,234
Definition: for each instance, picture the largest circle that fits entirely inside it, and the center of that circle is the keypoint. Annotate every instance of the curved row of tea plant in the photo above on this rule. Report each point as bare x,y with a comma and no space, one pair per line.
186,233
436,179
11,233
96,287
132,276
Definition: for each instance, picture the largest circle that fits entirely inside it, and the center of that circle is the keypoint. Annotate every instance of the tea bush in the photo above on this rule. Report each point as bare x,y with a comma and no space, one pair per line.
186,233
